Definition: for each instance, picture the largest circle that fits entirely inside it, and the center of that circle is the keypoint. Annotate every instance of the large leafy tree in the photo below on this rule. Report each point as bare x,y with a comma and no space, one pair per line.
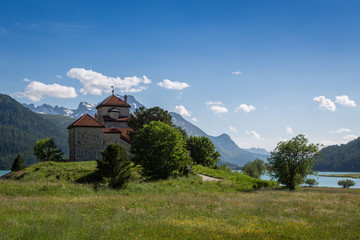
203,151
18,164
114,166
292,161
254,169
144,116
160,150
46,150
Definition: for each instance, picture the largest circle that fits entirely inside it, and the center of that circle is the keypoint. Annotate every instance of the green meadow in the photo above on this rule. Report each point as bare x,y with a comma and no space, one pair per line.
46,202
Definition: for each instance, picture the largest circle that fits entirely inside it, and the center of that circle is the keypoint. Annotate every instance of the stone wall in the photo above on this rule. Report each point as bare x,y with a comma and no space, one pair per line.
85,143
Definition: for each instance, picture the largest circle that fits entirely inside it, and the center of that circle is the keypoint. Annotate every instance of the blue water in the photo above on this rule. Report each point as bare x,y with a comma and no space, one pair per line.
3,172
327,181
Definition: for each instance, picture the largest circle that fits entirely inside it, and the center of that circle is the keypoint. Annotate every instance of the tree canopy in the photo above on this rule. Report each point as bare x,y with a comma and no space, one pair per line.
346,183
254,169
203,151
160,150
46,150
292,161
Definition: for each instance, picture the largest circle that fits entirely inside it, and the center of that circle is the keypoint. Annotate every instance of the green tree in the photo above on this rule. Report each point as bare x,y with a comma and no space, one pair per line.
160,150
311,182
114,166
203,151
144,116
292,161
254,169
46,150
346,183
18,164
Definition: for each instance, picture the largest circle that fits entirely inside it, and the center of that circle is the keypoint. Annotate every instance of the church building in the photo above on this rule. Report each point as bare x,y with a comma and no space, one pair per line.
88,136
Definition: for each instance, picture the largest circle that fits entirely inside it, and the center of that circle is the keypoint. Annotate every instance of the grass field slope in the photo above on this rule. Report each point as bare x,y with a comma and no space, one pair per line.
44,202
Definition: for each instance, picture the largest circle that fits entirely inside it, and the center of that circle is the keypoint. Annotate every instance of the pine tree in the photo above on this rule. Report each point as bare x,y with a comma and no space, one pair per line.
18,164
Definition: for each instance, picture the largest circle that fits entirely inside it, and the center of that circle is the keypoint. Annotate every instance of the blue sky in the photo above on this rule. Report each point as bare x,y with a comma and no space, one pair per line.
260,71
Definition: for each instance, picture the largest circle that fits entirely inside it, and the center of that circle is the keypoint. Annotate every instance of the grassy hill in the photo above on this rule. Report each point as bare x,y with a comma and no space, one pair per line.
44,203
20,128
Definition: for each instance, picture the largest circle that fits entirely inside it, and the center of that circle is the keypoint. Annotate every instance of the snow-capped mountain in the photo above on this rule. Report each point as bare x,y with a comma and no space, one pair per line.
82,109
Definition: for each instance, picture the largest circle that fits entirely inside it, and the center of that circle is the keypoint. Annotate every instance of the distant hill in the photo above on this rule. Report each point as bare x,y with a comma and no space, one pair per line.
230,152
257,150
20,128
343,158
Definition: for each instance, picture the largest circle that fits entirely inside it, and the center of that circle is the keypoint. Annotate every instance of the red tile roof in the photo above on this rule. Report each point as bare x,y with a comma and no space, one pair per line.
86,121
113,101
122,131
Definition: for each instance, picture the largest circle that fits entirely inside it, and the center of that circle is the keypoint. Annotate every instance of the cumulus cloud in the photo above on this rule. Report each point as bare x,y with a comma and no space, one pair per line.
245,108
289,131
166,83
345,101
218,109
342,130
182,111
97,83
236,73
35,91
254,134
26,80
325,103
59,77
195,120
233,129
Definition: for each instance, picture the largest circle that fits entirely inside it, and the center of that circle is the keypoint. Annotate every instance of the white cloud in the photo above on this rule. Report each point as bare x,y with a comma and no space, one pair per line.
182,111
342,130
236,73
345,101
35,91
325,103
27,80
218,109
195,120
96,83
166,83
350,137
289,131
233,129
245,108
209,103
59,77
254,134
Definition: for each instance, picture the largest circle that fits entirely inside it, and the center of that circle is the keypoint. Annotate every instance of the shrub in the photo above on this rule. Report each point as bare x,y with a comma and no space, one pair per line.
346,183
311,182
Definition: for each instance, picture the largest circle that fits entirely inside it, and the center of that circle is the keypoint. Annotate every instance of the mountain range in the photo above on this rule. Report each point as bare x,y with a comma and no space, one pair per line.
231,154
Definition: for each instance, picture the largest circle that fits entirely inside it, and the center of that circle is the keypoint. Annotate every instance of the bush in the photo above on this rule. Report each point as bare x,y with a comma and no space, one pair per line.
346,183
114,166
160,150
311,182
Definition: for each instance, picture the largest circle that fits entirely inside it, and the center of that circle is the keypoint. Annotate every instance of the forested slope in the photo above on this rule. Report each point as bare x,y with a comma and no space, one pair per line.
20,128
343,158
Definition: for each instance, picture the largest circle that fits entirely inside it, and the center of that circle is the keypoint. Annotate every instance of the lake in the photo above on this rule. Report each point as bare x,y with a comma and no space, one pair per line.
3,172
328,181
